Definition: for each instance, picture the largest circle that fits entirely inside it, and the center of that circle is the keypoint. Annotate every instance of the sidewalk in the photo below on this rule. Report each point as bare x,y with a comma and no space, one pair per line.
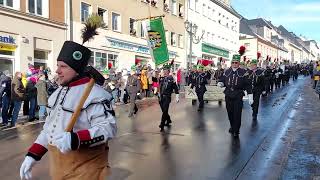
304,154
291,150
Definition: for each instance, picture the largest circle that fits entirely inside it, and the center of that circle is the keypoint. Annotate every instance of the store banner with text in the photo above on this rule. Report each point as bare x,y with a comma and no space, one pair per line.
157,40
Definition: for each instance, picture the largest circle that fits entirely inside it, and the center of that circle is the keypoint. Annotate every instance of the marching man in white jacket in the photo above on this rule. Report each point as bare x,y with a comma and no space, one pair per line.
83,152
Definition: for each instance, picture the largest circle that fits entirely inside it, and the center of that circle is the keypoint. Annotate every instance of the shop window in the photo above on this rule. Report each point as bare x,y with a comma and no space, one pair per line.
173,39
104,15
6,64
91,60
41,55
8,53
174,7
133,29
39,7
100,61
116,22
112,59
8,3
85,11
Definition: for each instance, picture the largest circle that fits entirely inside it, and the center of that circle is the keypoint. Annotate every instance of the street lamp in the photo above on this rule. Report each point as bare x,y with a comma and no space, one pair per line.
192,29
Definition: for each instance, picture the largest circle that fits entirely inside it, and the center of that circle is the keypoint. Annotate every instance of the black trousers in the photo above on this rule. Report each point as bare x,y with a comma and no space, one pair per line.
272,82
164,102
278,83
267,85
200,99
234,109
255,105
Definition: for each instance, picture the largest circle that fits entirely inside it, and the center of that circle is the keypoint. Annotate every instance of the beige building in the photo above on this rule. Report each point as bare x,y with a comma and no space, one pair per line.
31,31
122,42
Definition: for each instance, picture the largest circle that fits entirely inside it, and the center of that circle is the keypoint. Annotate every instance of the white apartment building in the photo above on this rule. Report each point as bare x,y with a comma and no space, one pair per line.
218,24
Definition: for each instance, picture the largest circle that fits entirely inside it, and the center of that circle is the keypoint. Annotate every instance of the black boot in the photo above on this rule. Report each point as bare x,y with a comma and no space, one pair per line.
230,131
254,118
161,128
168,123
235,134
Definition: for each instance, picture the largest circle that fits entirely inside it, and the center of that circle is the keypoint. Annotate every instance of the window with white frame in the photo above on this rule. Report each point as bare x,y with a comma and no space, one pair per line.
191,4
39,7
204,10
100,61
197,5
116,22
174,7
6,3
113,59
132,26
180,41
104,15
181,10
85,11
173,39
167,37
142,31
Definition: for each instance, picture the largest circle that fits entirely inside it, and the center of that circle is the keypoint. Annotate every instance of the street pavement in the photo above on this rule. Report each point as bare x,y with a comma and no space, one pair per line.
198,146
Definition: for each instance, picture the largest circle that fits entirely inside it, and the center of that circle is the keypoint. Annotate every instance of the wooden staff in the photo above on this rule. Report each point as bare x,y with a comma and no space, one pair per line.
77,112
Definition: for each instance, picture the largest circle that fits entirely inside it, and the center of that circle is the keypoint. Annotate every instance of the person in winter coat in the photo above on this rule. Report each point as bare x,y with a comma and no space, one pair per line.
42,96
17,96
31,92
144,81
5,85
318,88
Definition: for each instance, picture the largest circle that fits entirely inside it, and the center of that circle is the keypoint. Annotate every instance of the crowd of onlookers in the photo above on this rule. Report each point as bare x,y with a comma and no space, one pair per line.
29,91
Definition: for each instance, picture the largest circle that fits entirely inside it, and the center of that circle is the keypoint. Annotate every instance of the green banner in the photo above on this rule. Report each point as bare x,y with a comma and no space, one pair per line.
157,41
213,50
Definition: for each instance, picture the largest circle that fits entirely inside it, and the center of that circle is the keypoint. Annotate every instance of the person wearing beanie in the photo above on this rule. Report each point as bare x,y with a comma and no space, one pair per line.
83,152
236,81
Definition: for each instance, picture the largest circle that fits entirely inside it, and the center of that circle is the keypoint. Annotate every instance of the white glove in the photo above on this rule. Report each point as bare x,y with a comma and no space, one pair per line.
177,98
220,84
250,99
264,92
26,166
138,94
62,142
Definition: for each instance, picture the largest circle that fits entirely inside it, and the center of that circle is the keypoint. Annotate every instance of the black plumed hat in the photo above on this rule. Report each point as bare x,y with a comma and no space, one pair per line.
75,55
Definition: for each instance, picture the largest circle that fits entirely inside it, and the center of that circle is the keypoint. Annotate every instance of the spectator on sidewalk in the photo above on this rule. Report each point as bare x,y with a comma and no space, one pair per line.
42,96
17,96
318,88
31,92
5,85
25,107
144,81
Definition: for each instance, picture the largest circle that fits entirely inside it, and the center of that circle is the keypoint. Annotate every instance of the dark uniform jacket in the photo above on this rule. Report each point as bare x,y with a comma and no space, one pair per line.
167,86
200,81
236,82
257,80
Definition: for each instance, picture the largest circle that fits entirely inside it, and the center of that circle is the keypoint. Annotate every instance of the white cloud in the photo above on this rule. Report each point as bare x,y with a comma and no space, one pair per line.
307,7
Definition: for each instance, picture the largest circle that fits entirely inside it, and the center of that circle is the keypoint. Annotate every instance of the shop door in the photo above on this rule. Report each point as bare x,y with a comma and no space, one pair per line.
6,64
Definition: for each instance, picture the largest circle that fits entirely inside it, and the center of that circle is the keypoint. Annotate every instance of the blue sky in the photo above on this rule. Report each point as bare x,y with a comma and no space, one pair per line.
298,16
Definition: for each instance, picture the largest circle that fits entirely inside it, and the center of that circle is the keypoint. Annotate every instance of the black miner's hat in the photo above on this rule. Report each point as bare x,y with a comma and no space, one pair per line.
75,55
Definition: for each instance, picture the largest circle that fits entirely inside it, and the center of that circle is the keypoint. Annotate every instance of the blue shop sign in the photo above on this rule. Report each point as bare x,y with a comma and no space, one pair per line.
7,39
126,45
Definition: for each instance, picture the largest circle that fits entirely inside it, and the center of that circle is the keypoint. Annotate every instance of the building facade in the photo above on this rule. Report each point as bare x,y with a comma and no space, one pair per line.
122,42
218,28
31,32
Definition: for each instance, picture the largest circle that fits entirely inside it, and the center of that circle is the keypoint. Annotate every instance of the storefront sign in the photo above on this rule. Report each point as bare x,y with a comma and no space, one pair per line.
7,47
129,46
214,50
7,40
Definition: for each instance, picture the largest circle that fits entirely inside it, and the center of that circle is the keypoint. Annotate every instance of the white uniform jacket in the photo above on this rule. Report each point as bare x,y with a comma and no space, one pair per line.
95,125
